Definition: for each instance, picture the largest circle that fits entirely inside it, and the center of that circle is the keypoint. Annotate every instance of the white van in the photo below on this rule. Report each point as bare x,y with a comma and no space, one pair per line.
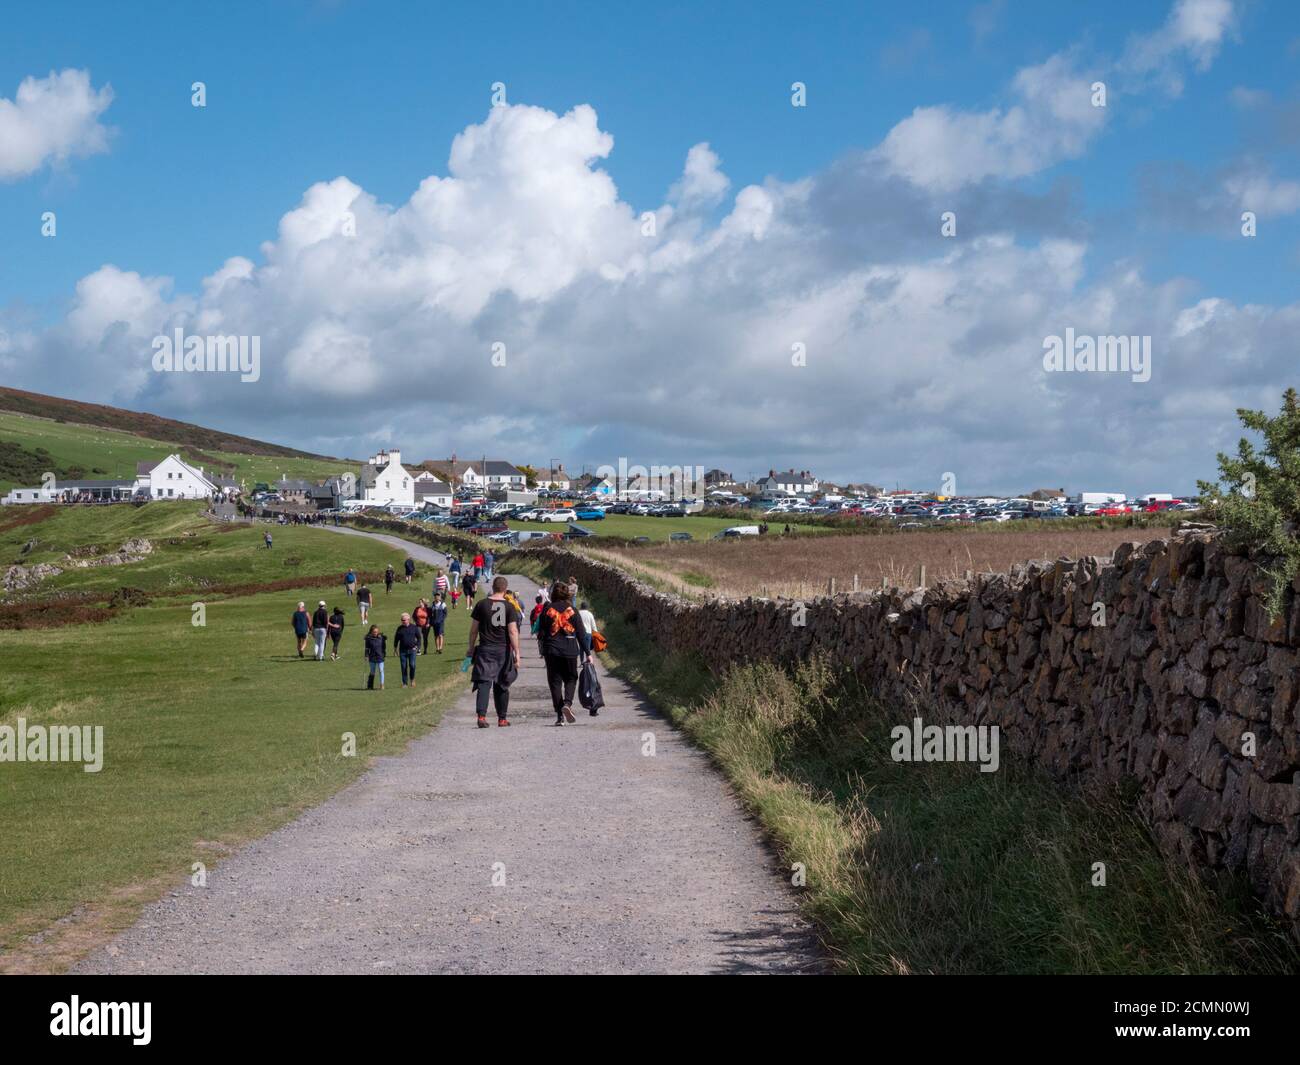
737,530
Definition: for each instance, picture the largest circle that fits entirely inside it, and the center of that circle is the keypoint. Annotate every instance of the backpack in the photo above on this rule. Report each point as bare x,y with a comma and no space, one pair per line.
598,641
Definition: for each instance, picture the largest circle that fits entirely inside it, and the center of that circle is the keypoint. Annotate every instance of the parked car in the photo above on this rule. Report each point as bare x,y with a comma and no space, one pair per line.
559,514
486,528
680,537
577,532
589,513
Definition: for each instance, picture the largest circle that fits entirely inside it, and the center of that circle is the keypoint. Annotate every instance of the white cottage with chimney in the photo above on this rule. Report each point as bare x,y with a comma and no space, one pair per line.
384,480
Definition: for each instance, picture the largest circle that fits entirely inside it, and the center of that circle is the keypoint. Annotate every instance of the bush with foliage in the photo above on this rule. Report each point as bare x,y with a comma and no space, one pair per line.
1256,501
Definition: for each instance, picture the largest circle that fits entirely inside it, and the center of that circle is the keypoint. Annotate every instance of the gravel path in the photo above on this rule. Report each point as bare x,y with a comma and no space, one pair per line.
612,861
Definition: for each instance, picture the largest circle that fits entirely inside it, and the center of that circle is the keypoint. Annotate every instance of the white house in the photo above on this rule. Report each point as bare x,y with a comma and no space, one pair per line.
172,478
385,480
557,479
791,482
431,491
30,495
494,473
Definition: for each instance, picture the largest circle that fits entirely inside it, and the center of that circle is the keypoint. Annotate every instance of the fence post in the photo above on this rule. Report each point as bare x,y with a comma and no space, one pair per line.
831,586
921,575
855,582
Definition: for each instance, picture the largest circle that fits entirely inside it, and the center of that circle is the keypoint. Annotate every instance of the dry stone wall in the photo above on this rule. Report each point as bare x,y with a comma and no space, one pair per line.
1158,666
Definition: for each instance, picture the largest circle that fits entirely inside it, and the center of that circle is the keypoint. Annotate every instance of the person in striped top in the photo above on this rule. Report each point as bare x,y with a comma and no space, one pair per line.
440,582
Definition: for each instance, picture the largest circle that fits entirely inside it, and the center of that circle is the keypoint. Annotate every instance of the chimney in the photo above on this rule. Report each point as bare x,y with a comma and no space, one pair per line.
395,457
771,473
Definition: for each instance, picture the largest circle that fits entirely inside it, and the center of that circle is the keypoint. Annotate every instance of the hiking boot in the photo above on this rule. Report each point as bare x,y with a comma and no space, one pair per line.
482,721
593,713
568,714
503,722
559,719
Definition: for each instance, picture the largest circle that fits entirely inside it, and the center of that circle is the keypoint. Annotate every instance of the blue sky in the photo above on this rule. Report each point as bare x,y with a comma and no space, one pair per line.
305,93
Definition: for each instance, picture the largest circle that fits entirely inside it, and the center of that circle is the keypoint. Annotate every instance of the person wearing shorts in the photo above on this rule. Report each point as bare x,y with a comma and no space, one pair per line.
438,620
469,585
363,601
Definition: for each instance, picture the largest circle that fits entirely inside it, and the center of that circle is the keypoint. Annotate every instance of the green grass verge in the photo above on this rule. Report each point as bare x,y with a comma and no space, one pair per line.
190,553
213,735
938,868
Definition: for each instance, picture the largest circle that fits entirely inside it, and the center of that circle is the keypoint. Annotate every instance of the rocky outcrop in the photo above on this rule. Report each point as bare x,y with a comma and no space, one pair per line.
19,578
1159,666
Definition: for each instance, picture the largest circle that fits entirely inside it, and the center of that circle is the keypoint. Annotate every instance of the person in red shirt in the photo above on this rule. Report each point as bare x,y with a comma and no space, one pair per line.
537,609
478,564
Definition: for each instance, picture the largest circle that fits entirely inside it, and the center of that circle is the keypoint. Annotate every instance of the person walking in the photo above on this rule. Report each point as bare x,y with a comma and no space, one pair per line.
320,627
268,539
573,591
478,566
454,569
494,652
389,577
409,566
407,641
562,641
423,618
350,581
469,585
588,623
439,582
363,602
301,622
376,650
438,620
336,623
538,606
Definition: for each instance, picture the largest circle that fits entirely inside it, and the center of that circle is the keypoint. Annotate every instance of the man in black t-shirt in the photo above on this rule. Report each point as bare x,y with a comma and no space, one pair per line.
494,650
469,585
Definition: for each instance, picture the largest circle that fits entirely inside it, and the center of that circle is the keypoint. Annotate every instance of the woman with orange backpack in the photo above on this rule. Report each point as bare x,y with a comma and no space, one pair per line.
561,639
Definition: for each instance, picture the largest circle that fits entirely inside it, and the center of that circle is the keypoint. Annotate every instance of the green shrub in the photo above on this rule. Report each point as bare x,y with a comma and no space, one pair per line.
1258,502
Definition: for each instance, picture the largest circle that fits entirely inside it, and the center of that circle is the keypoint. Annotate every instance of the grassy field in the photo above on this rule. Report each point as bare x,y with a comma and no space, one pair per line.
190,552
632,525
801,566
938,868
105,454
213,735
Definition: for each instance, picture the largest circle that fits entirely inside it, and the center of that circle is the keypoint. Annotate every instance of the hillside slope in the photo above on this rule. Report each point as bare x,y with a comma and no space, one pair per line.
88,440
150,426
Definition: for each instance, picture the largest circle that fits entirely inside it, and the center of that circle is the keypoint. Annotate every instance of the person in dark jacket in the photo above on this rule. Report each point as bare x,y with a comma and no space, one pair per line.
409,567
438,620
336,623
407,641
320,627
376,649
494,650
301,622
389,577
561,639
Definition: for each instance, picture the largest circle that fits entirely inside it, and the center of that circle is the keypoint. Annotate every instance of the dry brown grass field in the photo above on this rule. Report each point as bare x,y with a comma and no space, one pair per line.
801,567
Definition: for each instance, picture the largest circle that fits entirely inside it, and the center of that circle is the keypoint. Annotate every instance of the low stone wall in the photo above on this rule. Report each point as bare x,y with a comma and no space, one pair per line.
1158,666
